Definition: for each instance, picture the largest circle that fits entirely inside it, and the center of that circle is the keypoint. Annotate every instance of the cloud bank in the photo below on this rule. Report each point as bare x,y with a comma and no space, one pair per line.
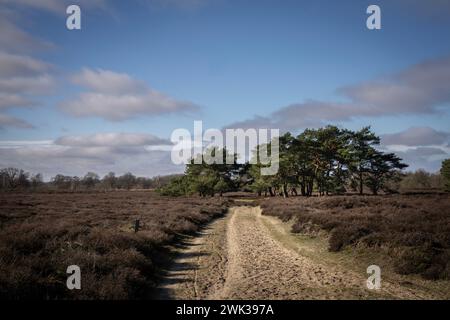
139,153
421,89
112,139
417,136
421,147
117,97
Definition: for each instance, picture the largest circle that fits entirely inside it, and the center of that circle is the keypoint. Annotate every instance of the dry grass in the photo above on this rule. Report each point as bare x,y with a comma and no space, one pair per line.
415,228
41,234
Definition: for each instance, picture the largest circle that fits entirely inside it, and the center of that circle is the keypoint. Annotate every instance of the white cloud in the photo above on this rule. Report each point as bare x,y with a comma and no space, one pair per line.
14,39
420,147
112,139
420,89
106,81
22,143
43,84
117,96
14,100
51,160
22,80
306,115
427,158
417,136
13,65
9,121
141,154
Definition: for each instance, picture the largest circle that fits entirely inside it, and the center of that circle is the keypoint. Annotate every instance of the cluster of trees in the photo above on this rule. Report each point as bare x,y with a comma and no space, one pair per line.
419,180
13,178
330,160
209,179
109,182
327,160
18,179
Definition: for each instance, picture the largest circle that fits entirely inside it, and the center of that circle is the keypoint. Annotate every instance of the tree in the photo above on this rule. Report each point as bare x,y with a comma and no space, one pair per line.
22,179
259,186
303,160
11,177
36,180
75,183
285,178
109,181
62,182
90,180
420,179
262,183
330,157
382,167
202,176
178,186
445,173
205,182
221,186
127,181
360,151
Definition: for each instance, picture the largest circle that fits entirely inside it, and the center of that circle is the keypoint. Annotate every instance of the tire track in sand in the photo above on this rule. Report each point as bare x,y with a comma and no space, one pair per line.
237,257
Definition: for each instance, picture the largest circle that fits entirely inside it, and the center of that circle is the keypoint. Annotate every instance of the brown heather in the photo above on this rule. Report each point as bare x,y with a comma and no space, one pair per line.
41,234
415,227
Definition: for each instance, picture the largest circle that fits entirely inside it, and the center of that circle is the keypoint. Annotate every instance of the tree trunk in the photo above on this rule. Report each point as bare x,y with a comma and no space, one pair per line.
302,189
309,189
271,192
285,192
361,186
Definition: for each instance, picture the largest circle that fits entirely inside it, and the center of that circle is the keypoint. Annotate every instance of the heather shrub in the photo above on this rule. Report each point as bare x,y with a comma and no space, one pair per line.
346,235
416,226
42,234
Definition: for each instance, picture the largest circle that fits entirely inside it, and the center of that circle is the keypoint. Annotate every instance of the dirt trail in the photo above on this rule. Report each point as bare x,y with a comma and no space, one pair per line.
238,257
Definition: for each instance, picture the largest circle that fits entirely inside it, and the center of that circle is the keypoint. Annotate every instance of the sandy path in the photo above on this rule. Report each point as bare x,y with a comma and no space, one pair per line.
237,257
199,268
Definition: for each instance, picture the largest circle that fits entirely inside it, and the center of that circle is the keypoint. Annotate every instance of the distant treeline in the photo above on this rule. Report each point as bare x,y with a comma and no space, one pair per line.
16,179
13,179
324,161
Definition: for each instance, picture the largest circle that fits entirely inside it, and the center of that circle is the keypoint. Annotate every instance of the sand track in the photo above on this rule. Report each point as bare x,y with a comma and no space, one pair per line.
238,257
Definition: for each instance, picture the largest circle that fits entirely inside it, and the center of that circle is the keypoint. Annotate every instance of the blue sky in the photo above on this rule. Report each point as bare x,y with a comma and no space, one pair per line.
226,62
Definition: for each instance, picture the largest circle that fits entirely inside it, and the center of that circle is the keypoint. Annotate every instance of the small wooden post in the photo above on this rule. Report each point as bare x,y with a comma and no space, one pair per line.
136,225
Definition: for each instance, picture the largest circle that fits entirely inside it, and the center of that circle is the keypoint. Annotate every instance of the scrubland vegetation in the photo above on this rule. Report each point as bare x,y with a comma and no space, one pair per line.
41,234
412,229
